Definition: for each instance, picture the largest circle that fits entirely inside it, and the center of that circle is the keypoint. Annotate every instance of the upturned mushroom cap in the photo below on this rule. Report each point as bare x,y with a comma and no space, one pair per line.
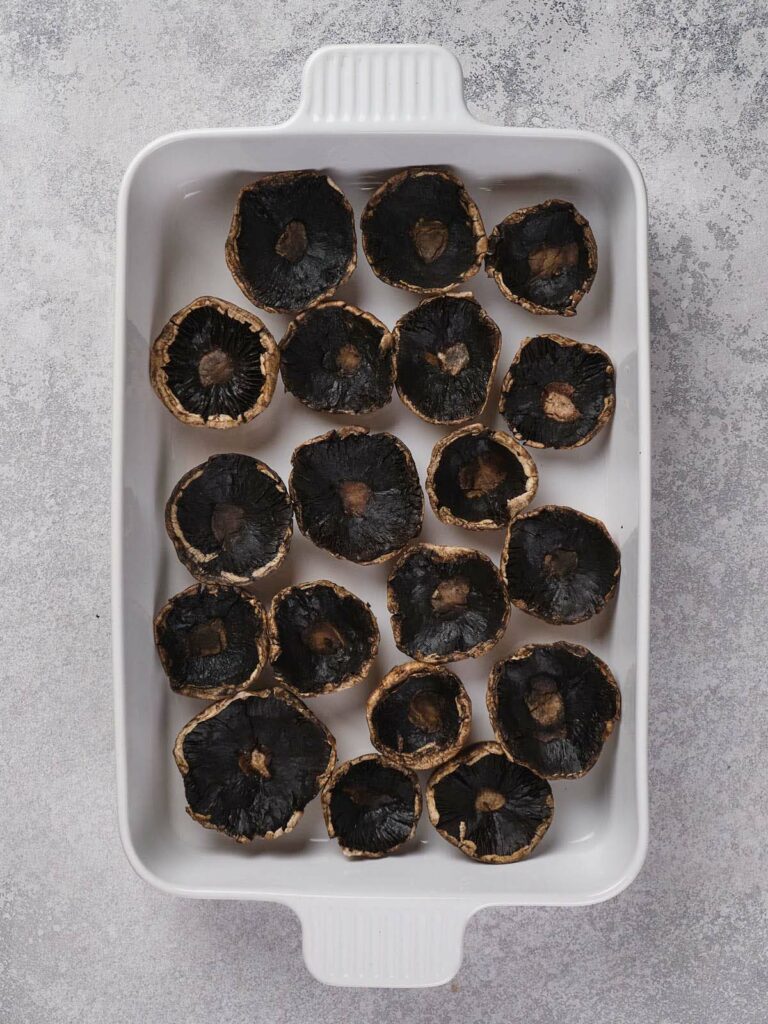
322,638
552,707
480,478
492,809
212,641
419,715
371,806
559,564
251,763
422,231
214,364
543,257
292,240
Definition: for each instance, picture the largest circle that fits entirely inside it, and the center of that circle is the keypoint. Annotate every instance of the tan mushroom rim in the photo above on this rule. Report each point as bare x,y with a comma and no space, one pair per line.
430,755
233,260
275,650
471,756
348,432
576,296
443,553
386,346
160,356
195,560
492,702
335,779
557,620
212,692
214,709
487,320
609,402
514,505
469,207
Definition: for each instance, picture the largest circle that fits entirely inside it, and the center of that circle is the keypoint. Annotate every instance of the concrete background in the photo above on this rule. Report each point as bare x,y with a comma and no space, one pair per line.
684,86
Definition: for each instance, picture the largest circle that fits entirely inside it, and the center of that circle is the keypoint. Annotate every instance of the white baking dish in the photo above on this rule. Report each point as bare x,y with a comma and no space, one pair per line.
364,111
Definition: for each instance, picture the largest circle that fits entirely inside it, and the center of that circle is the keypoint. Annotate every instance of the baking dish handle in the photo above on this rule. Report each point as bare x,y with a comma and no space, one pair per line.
391,88
383,943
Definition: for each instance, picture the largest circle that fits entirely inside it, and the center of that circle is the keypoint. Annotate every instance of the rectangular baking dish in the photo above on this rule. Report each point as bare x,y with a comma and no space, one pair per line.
366,110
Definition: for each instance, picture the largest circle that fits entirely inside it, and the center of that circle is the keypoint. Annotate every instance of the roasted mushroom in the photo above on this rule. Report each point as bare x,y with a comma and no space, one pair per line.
356,494
230,520
552,707
543,257
446,603
480,478
559,565
212,641
419,716
214,365
494,810
336,358
292,240
251,763
371,806
558,392
445,356
322,638
422,232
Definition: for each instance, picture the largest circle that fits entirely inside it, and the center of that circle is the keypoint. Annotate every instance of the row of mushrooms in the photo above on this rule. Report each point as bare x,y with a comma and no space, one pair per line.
254,757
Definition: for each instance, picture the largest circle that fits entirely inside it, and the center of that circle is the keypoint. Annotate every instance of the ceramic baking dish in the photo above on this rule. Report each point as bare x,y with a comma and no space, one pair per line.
366,110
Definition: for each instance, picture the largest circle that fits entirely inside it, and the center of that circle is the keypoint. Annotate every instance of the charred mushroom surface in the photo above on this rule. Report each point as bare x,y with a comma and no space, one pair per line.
543,257
552,707
492,809
480,478
336,358
323,638
558,392
253,762
560,565
445,356
371,806
419,716
446,603
214,364
212,641
422,232
292,240
357,494
230,519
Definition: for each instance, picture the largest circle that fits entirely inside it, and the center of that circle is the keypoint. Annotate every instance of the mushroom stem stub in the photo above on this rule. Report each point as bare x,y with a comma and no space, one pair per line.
355,495
430,238
292,243
450,595
255,762
488,800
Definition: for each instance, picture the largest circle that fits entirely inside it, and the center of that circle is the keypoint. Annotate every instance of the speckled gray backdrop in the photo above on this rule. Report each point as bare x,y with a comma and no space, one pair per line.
684,87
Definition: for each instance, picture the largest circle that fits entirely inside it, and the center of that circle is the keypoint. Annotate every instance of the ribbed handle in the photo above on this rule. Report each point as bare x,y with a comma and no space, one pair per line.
387,87
383,943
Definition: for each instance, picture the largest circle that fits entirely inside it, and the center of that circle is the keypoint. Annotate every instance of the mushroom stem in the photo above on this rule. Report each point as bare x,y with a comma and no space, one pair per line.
292,243
488,800
255,762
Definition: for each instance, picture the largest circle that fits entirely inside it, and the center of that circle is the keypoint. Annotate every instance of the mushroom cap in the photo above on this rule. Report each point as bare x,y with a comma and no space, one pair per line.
419,715
251,763
559,564
552,707
292,240
214,364
357,494
322,638
336,358
446,603
480,478
543,257
212,641
422,231
492,809
230,519
558,393
371,806
446,351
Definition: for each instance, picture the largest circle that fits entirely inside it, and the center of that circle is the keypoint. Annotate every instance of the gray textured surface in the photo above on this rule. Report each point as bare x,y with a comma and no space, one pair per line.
684,87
